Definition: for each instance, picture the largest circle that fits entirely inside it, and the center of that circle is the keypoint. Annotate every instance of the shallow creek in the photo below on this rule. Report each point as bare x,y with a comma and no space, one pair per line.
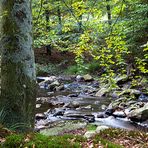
74,103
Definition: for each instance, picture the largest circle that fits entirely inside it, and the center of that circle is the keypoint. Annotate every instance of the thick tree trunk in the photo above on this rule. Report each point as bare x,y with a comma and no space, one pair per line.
18,87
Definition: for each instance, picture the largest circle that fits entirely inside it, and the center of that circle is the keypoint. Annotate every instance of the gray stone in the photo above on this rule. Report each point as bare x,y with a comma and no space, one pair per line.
38,105
88,77
139,115
73,104
79,78
101,92
40,116
53,85
101,128
89,134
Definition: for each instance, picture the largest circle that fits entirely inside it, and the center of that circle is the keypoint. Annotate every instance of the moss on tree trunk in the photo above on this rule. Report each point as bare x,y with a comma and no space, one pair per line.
18,87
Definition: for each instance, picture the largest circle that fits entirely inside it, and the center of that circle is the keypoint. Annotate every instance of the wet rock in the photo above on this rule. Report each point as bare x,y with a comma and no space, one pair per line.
79,78
42,100
101,115
119,114
109,111
72,86
74,116
128,92
101,128
87,78
57,103
39,127
101,92
139,115
46,81
143,98
40,116
59,88
53,85
115,94
89,118
89,107
121,79
95,84
58,112
73,95
103,107
38,105
89,134
73,104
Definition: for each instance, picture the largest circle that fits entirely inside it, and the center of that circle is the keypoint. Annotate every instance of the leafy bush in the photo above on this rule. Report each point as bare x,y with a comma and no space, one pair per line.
50,69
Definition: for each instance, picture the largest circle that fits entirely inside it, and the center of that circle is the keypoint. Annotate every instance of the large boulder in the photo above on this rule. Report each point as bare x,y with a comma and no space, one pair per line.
139,115
87,77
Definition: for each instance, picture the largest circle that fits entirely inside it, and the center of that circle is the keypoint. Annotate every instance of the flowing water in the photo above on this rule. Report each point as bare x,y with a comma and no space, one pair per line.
74,104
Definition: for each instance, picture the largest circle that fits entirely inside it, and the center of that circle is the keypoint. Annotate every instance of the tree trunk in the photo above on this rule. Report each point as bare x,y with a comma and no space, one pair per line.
108,12
47,13
18,86
80,24
60,20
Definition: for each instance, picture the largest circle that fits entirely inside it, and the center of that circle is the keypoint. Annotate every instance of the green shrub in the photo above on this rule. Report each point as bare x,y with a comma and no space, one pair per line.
51,69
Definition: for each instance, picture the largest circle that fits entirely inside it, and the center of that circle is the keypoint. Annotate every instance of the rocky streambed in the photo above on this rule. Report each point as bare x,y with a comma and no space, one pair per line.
68,103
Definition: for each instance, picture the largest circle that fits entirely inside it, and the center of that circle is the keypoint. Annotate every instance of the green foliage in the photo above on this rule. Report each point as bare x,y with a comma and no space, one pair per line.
40,141
91,127
84,30
14,141
51,69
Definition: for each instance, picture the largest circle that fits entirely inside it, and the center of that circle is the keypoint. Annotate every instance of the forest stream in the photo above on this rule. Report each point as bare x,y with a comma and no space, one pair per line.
70,100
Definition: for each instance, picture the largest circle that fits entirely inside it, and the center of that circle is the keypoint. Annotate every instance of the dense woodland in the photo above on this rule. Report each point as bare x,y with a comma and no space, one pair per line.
99,45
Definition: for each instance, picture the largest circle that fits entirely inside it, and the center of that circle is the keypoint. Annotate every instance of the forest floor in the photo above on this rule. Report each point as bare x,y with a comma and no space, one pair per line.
110,138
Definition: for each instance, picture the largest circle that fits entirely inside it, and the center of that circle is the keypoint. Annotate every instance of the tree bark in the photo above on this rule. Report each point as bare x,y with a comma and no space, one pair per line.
18,80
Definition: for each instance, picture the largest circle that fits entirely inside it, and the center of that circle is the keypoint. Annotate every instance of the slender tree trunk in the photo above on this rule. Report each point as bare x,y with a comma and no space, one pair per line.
18,86
47,13
60,20
108,12
80,24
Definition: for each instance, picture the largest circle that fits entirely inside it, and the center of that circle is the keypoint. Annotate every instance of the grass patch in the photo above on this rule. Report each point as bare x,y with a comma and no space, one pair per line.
91,127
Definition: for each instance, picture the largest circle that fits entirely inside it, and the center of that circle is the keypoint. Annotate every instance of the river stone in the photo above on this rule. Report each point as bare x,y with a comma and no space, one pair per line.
139,115
120,114
38,105
101,92
121,79
79,78
73,104
101,128
53,85
58,112
87,77
101,115
89,118
89,134
63,127
143,98
59,88
40,116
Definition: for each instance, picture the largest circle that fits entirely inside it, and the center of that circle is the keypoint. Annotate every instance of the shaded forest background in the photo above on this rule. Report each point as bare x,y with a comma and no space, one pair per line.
107,36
